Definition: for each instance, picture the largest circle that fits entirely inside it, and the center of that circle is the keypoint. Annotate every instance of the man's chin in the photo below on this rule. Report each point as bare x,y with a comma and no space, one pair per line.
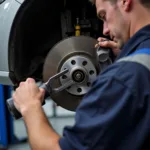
120,45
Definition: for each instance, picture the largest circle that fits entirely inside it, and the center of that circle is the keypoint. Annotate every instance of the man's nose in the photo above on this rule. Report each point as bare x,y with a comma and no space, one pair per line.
106,30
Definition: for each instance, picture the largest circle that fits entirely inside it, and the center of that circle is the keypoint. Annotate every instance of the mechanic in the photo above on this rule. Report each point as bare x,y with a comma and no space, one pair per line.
115,113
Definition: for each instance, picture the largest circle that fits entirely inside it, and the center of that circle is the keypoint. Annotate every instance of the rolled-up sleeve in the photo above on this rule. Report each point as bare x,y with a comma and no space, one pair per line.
102,119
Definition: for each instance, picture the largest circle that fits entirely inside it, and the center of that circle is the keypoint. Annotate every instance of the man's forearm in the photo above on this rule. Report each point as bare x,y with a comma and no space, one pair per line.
41,134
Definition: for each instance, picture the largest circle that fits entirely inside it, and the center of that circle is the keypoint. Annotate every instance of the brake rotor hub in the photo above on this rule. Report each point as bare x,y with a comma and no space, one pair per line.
78,76
82,71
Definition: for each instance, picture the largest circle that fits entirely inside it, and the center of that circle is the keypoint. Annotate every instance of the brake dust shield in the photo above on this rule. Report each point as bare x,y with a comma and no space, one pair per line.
78,55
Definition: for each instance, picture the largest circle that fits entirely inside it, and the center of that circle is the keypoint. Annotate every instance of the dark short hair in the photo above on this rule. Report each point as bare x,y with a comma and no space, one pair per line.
112,1
145,3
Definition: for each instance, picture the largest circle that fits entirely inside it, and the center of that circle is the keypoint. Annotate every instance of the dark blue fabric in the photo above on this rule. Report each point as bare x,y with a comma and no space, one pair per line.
115,113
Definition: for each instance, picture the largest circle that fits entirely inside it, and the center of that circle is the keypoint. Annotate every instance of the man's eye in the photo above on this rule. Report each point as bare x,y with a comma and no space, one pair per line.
103,17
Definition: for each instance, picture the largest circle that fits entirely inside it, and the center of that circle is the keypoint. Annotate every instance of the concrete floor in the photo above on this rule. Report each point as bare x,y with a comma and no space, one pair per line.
57,123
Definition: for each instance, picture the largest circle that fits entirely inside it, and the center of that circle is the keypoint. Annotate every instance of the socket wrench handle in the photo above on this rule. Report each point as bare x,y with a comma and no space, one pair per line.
12,109
49,89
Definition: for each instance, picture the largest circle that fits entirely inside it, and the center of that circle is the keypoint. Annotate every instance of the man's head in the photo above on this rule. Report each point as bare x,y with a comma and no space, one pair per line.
122,18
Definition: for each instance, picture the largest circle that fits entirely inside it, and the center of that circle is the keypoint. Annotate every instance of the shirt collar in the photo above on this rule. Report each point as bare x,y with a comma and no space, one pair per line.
134,41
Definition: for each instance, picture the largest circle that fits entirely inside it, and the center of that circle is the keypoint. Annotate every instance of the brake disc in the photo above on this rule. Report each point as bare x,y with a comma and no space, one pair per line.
78,55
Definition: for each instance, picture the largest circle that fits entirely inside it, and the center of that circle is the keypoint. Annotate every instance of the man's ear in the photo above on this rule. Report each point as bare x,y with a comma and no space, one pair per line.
126,4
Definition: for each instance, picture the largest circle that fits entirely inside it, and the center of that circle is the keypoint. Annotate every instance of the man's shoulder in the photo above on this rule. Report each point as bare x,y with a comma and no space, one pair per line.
128,73
123,68
144,44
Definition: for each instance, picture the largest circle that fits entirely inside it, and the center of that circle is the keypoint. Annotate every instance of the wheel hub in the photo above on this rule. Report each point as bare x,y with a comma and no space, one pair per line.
82,71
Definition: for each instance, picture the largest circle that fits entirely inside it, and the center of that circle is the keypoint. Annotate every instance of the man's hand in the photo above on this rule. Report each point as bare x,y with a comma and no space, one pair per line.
27,96
28,99
103,42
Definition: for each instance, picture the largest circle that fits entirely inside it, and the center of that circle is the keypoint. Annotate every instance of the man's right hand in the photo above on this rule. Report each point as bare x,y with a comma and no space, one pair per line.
103,42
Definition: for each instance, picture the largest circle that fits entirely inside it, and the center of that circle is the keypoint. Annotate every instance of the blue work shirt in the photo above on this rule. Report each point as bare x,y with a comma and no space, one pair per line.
115,113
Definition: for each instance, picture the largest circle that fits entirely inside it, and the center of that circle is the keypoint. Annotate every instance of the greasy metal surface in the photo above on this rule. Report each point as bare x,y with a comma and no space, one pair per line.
56,57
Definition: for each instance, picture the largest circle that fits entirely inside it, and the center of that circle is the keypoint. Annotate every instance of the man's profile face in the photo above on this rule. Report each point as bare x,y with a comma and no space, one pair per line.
115,23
